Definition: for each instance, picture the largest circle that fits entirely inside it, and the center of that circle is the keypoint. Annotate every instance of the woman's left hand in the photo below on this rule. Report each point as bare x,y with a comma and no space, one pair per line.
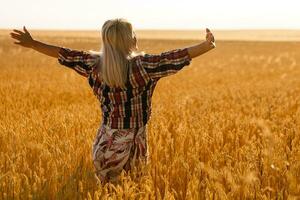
210,38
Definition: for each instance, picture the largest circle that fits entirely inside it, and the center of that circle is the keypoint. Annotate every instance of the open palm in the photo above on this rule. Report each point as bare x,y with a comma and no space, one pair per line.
23,38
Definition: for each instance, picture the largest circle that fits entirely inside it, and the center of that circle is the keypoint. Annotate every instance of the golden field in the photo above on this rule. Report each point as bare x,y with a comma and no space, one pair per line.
225,127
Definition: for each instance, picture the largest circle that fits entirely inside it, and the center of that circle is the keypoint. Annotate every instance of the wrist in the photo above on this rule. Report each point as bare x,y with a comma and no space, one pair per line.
210,44
33,43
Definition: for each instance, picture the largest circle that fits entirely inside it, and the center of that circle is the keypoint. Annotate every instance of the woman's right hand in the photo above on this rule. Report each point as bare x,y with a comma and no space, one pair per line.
23,38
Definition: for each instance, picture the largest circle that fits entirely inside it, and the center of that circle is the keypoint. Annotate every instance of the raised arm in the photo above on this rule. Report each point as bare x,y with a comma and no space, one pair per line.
170,62
203,47
25,39
81,61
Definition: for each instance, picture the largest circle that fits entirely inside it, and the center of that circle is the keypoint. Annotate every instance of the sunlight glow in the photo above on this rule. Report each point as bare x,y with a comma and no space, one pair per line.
155,14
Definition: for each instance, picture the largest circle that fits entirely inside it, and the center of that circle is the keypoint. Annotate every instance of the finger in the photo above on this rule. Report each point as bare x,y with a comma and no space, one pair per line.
17,40
25,30
17,31
12,33
18,43
210,35
16,36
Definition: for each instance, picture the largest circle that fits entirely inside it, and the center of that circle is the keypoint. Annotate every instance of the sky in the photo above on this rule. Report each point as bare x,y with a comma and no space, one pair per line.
154,14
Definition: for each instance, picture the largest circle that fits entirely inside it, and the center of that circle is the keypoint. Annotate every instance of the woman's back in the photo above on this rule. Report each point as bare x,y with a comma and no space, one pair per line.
129,107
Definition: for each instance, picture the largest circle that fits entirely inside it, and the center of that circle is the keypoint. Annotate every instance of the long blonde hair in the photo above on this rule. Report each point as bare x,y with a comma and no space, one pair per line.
118,47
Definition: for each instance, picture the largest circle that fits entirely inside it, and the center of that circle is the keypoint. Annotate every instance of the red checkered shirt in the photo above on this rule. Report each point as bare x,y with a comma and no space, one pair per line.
130,107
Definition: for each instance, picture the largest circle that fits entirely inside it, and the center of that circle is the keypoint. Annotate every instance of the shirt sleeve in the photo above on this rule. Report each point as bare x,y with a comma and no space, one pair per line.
166,63
80,61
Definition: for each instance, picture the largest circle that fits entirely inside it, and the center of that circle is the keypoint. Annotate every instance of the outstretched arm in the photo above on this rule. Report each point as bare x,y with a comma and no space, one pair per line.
203,47
25,39
170,62
81,61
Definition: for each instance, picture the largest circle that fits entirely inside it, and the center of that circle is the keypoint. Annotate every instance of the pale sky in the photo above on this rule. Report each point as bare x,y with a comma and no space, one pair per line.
151,14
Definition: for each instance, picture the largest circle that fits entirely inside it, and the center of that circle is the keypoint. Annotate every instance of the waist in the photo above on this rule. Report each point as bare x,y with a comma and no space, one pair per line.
125,122
120,129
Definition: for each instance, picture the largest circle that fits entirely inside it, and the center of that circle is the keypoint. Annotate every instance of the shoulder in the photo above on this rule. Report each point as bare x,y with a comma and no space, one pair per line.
137,61
93,58
144,59
93,55
138,72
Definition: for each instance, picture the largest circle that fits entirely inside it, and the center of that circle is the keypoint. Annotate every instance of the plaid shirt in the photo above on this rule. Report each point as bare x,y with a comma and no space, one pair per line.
130,107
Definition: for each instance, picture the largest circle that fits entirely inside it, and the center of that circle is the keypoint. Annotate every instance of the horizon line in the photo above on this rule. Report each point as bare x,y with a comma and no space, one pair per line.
160,29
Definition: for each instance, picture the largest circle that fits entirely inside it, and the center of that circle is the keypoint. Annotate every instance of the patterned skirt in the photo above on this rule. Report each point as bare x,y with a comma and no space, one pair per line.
115,150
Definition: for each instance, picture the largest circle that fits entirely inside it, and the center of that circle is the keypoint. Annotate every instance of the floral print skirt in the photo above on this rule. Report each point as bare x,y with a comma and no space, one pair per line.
115,150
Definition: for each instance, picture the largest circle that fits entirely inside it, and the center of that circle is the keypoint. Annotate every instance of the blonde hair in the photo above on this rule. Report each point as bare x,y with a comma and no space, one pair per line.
118,47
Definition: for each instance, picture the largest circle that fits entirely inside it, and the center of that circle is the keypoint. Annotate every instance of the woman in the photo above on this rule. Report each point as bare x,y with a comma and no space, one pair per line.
124,82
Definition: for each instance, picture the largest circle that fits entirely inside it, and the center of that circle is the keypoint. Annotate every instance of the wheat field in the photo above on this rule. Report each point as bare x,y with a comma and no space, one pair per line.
225,127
